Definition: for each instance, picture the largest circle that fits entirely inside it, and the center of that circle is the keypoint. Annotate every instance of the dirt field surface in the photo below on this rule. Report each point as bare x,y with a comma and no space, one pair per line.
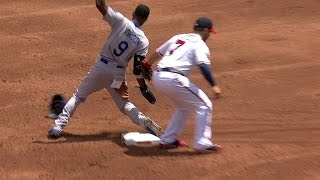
266,61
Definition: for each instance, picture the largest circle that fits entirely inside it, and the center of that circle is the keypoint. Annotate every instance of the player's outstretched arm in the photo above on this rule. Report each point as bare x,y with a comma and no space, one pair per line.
205,69
142,68
102,7
153,58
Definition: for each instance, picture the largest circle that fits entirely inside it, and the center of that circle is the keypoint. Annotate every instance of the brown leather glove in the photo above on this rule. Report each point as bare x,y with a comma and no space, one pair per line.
145,91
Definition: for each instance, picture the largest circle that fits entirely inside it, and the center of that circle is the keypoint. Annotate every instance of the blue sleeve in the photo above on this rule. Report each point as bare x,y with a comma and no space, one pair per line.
205,69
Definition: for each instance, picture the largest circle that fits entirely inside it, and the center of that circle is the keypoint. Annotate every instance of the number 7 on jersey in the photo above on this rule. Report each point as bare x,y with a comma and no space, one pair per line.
180,43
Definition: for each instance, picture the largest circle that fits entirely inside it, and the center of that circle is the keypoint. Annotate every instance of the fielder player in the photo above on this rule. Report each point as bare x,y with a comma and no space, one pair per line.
125,41
178,56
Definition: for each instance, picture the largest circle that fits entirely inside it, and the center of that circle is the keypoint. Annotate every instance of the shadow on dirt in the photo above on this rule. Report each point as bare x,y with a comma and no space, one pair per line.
79,138
155,151
115,137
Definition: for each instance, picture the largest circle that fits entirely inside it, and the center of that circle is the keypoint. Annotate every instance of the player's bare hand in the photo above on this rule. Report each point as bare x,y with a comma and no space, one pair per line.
146,70
216,92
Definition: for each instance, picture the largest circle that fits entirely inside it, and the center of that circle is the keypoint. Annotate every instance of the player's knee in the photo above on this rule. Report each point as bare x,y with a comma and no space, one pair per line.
210,105
79,97
206,106
122,107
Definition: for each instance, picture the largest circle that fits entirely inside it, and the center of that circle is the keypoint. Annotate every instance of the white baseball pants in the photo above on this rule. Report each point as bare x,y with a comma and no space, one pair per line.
101,76
186,97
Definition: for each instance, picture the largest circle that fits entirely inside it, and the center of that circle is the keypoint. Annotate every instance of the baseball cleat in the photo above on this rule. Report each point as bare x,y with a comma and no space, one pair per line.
55,131
149,130
153,128
213,148
176,144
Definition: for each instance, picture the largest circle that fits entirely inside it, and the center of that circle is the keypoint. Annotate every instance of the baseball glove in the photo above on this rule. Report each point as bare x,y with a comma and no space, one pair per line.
153,128
56,106
145,91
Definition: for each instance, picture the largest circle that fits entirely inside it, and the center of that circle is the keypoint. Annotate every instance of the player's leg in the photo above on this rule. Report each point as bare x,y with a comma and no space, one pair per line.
121,98
183,92
176,125
168,84
95,80
203,107
195,98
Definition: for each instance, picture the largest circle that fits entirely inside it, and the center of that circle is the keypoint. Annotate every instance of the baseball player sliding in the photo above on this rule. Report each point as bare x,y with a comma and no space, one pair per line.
178,56
125,41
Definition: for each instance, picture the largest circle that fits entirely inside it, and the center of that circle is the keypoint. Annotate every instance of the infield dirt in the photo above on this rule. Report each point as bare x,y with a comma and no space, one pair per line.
266,61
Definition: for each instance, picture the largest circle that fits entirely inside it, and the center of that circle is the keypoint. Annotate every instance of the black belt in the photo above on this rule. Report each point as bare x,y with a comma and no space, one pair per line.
106,62
172,70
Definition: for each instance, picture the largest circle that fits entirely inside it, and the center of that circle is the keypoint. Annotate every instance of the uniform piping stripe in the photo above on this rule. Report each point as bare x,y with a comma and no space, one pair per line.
196,96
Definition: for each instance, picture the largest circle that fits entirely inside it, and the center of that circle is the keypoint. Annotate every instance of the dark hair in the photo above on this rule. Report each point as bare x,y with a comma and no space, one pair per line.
142,11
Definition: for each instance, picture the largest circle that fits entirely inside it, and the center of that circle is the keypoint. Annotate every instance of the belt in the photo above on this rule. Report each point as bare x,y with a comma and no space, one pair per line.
106,62
172,70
